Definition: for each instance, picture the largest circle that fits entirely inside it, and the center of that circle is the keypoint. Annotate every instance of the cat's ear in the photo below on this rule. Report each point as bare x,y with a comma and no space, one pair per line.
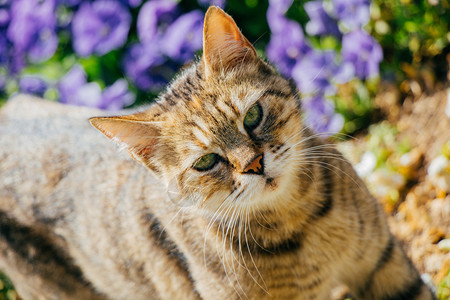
224,46
132,132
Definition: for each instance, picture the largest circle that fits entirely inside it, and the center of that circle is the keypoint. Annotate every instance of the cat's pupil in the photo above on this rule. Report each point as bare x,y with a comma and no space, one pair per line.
206,162
253,117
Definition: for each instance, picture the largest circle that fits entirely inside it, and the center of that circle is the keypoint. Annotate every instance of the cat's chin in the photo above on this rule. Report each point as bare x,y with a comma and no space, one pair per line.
266,191
271,184
254,192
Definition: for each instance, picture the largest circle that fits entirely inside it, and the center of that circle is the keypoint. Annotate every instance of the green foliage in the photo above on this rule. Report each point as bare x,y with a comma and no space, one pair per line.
383,141
443,291
354,102
250,15
412,34
7,291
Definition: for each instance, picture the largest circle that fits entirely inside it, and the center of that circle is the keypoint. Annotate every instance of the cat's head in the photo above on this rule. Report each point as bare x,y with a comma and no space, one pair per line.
226,133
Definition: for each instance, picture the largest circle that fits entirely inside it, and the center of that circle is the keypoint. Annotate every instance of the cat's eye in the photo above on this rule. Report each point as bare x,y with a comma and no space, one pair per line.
206,162
253,117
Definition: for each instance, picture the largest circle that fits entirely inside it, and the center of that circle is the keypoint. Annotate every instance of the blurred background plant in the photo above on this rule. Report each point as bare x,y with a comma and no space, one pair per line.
7,291
112,54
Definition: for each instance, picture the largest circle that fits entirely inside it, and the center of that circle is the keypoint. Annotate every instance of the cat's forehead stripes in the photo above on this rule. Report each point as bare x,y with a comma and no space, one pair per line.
227,108
208,115
202,140
195,102
214,112
201,123
245,99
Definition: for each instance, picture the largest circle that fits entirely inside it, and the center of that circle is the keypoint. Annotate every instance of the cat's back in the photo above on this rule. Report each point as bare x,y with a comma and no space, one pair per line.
70,200
50,156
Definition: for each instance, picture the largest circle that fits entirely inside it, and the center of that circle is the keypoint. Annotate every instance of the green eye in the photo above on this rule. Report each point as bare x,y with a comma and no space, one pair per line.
206,162
253,117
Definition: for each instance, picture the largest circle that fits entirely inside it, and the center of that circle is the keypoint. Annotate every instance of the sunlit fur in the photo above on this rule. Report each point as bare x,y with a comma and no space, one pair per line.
307,211
303,229
210,120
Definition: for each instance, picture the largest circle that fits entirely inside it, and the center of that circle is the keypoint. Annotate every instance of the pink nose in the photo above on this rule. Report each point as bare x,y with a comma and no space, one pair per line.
256,166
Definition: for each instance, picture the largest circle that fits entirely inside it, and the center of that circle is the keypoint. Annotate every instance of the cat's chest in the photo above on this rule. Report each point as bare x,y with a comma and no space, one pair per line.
243,263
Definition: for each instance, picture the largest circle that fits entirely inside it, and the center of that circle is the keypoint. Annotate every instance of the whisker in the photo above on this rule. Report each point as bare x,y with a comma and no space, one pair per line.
224,263
171,220
231,249
250,254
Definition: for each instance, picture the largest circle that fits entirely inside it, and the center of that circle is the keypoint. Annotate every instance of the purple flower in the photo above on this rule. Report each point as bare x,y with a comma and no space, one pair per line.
75,90
277,21
100,27
5,17
71,83
16,62
317,72
32,85
353,14
320,22
116,96
2,83
32,28
207,3
320,116
69,3
280,6
184,37
89,95
147,68
287,44
363,52
153,18
4,49
132,3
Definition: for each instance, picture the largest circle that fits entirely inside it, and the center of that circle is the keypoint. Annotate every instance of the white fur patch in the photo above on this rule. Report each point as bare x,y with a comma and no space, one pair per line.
200,136
239,103
202,124
251,98
225,108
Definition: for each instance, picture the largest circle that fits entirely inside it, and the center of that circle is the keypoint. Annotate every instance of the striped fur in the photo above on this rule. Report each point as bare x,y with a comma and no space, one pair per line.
304,228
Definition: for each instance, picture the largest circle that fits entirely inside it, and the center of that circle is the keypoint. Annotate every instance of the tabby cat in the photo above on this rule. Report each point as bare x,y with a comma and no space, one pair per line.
249,203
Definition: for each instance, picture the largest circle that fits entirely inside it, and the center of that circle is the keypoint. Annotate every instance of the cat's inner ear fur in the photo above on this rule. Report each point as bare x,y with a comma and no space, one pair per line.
133,132
224,46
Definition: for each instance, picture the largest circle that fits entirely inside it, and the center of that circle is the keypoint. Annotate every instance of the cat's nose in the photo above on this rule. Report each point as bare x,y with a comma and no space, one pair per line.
255,166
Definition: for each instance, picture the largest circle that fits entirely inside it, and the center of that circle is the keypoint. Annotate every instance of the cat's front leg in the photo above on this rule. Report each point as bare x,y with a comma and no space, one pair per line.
394,277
